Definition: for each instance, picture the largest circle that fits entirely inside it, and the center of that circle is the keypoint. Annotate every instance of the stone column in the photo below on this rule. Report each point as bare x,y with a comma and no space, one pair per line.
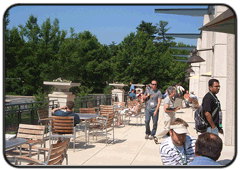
62,94
229,117
224,70
119,93
206,43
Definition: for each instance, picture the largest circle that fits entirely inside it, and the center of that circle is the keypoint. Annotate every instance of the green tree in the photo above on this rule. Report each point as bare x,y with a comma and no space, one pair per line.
163,41
148,28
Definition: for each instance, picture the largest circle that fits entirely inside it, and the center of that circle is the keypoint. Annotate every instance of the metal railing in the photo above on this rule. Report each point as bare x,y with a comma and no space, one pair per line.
96,100
24,113
27,112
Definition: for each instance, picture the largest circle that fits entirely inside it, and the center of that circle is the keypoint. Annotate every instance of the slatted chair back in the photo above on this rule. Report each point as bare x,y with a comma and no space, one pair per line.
119,103
89,104
57,153
31,132
195,104
139,108
42,114
131,104
190,99
87,110
109,119
34,134
63,124
107,111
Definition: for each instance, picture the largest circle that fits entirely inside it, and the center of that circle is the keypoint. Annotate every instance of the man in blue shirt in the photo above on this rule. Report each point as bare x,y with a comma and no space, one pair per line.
132,87
132,94
68,112
208,149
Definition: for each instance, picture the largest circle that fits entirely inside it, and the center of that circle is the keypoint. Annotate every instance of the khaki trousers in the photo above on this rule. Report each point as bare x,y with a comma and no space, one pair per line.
168,118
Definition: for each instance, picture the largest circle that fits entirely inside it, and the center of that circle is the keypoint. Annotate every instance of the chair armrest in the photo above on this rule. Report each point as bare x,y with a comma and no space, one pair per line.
100,122
43,149
27,159
34,142
101,118
49,118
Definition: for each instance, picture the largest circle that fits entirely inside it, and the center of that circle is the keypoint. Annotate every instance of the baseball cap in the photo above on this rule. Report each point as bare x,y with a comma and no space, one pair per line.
179,129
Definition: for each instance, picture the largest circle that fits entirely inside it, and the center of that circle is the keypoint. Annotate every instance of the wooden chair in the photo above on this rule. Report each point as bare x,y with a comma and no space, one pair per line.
131,104
195,104
89,104
87,110
119,103
43,118
190,99
35,136
56,154
105,121
117,116
63,127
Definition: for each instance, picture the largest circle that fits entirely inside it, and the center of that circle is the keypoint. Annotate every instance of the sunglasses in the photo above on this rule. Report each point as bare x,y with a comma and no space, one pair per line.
154,84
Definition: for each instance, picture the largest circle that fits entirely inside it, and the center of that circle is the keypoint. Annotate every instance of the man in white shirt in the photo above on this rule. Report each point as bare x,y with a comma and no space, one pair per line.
181,88
178,149
193,96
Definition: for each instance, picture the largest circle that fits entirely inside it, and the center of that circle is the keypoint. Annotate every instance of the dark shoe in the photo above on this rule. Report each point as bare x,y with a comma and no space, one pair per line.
155,139
146,137
151,137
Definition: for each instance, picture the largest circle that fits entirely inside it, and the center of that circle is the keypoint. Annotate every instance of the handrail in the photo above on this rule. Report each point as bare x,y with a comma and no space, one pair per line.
29,103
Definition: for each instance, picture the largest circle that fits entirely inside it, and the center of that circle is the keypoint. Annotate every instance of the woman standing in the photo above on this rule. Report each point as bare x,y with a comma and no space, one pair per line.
168,113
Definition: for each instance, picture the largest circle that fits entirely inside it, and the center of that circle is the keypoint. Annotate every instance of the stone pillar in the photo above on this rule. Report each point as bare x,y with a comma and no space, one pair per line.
229,117
224,70
62,94
206,43
119,93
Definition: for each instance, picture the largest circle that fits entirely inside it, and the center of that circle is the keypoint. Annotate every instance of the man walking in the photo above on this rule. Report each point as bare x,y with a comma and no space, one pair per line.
210,103
154,97
132,87
168,113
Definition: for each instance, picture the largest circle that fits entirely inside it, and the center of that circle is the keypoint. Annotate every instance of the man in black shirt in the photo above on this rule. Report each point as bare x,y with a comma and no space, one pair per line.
210,103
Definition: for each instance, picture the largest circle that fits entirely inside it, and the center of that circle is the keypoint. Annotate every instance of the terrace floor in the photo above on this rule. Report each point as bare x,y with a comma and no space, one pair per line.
130,147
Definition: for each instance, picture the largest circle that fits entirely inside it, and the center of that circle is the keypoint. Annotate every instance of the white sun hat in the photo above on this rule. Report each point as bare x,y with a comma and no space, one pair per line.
179,129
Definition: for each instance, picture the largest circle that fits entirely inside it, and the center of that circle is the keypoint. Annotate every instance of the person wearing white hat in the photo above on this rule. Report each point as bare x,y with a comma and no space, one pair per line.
178,149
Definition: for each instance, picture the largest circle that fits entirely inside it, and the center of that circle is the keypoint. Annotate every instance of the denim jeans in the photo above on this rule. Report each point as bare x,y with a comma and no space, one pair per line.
148,114
210,130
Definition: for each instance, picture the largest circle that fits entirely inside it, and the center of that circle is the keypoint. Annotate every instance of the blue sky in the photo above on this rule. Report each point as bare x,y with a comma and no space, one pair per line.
107,23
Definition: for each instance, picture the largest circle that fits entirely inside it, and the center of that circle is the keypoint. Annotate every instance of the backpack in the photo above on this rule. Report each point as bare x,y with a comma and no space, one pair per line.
200,123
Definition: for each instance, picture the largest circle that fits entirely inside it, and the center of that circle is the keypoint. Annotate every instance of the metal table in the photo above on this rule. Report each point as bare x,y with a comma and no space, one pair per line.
85,116
13,142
